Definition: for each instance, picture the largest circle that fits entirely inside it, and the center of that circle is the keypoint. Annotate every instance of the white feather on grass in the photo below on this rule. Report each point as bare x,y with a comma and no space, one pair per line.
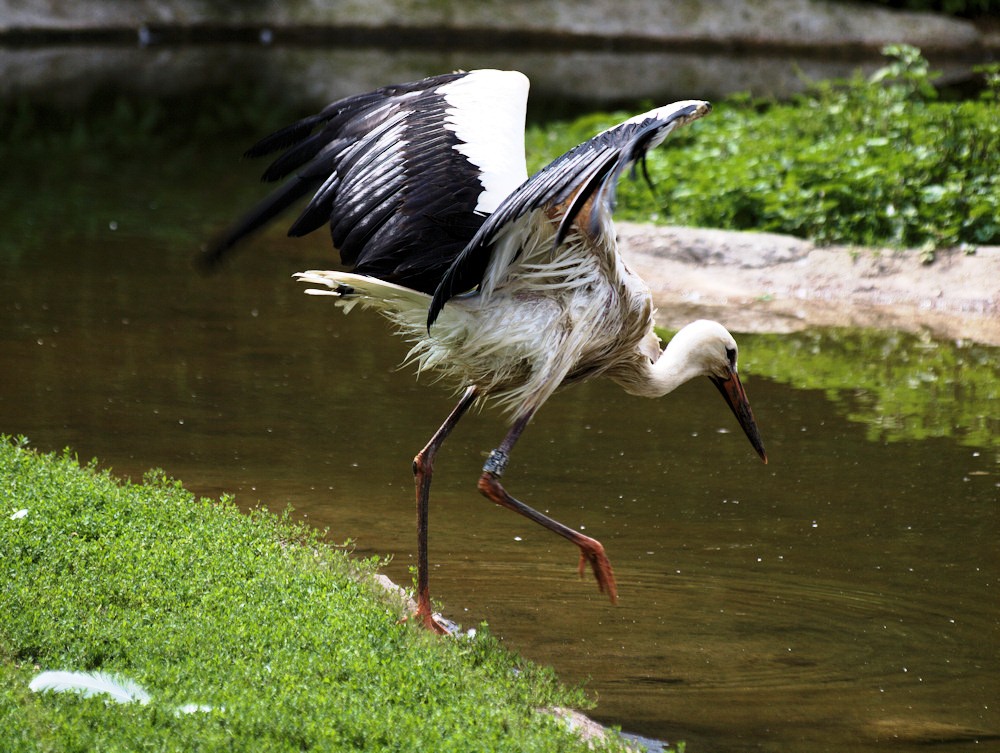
121,689
87,684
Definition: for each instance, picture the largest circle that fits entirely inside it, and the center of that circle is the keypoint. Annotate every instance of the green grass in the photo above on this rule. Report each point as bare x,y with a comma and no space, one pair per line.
876,162
251,614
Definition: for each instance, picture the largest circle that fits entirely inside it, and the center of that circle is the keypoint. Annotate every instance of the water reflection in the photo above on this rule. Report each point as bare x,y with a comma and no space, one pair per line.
562,80
840,596
900,386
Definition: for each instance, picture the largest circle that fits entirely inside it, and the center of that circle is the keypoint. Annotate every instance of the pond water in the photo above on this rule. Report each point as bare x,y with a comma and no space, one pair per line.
842,597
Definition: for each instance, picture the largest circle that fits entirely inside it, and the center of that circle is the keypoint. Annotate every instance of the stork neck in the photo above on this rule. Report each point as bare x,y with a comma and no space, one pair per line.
657,378
672,369
702,348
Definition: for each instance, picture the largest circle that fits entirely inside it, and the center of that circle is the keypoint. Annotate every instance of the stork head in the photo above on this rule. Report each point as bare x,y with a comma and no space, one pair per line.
706,348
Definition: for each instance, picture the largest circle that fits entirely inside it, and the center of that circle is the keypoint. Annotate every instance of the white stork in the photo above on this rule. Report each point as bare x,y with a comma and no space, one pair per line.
510,286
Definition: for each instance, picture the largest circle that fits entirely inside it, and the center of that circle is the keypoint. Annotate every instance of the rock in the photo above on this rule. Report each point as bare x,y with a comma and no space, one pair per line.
707,247
764,282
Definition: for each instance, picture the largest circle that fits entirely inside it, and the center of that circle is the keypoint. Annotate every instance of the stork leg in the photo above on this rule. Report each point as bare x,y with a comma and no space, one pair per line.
423,469
591,550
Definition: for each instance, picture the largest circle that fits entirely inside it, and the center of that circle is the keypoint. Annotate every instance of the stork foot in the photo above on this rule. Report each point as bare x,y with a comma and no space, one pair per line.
424,617
592,551
431,622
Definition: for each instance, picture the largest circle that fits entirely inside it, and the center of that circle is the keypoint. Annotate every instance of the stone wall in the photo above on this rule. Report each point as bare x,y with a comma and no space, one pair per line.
767,23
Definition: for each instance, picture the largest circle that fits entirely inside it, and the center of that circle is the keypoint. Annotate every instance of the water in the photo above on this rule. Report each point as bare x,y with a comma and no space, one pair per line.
562,80
843,596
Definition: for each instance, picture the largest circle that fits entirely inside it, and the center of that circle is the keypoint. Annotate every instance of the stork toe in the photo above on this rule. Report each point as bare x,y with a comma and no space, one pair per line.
592,551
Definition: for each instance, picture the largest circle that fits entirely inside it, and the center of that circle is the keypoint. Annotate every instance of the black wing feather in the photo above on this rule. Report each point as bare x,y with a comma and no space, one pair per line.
593,167
358,157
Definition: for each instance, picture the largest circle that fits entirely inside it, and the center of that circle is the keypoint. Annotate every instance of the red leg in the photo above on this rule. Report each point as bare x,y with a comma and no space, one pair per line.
591,550
423,469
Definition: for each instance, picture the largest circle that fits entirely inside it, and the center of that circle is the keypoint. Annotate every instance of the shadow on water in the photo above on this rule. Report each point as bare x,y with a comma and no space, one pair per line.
839,597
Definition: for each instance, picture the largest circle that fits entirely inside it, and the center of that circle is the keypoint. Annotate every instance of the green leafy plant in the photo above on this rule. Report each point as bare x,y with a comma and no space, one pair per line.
876,161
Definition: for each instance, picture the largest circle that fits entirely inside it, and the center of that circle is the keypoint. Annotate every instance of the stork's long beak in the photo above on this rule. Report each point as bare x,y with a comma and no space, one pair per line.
736,397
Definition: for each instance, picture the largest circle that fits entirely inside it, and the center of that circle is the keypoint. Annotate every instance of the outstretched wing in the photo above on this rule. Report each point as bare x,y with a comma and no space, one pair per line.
584,177
404,175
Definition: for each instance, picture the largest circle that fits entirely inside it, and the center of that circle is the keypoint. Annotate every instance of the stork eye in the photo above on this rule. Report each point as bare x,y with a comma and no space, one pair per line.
731,356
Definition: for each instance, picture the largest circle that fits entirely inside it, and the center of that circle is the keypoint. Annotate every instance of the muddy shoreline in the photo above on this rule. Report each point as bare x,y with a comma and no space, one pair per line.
765,282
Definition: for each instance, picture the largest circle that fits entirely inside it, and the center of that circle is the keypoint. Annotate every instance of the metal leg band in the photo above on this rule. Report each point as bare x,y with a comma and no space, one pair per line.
496,463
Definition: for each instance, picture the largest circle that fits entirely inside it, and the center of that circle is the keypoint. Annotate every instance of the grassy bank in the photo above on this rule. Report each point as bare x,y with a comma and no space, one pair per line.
279,632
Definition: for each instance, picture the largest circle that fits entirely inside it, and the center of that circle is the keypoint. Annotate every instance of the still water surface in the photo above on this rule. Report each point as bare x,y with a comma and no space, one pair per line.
843,597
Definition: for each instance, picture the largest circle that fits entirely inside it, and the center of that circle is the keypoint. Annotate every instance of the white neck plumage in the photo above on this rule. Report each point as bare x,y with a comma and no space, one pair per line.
699,349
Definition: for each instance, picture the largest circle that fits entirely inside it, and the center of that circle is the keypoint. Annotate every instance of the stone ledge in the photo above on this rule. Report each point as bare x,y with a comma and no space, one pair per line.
781,24
765,282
